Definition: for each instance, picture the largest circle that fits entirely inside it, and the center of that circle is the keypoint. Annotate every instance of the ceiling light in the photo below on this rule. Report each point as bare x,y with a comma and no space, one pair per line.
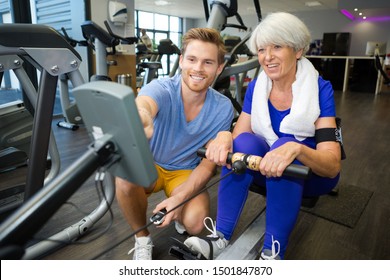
347,14
313,4
161,3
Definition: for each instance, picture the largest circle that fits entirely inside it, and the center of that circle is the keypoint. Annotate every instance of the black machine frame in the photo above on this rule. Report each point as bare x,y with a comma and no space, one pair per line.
42,199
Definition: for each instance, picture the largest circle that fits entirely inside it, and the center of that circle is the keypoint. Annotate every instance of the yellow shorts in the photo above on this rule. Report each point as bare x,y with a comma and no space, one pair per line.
168,180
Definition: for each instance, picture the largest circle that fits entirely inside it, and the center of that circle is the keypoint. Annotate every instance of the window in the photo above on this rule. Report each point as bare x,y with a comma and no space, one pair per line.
55,13
10,89
160,27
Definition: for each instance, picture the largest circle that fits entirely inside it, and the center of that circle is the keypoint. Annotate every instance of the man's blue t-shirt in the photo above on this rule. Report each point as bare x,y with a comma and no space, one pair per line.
326,100
175,141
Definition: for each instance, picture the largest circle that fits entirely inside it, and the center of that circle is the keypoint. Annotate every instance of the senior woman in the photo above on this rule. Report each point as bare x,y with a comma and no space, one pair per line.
288,117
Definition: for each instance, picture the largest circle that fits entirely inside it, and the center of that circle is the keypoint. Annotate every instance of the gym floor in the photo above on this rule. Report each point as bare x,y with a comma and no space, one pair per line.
366,134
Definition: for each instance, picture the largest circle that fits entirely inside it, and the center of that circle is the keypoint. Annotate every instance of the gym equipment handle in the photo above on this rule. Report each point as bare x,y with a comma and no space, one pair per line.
253,162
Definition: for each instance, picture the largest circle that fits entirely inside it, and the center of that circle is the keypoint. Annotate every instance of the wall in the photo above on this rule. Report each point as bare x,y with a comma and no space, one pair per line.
99,13
328,21
189,23
361,31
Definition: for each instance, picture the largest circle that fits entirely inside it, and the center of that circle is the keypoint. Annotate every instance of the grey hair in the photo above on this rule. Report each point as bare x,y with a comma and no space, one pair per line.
281,29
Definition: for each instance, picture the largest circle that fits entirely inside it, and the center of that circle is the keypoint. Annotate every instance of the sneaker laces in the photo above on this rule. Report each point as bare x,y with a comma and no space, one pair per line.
142,252
274,254
213,229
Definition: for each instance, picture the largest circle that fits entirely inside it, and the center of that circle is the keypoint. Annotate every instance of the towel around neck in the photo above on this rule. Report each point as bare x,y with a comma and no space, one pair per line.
305,108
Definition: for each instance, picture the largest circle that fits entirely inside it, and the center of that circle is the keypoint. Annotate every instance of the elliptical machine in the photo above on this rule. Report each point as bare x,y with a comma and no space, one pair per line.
37,44
217,12
168,48
98,40
151,67
15,133
42,198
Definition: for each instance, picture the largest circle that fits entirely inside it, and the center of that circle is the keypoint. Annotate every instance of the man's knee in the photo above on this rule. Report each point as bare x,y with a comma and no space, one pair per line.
194,214
194,226
125,187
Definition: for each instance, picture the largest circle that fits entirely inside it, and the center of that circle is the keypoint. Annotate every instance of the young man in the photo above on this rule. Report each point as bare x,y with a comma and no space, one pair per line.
180,115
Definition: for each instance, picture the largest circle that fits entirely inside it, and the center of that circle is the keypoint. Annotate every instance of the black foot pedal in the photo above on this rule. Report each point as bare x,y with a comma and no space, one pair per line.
182,252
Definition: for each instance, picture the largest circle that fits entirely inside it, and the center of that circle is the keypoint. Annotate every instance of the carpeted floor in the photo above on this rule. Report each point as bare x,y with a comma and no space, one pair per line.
345,208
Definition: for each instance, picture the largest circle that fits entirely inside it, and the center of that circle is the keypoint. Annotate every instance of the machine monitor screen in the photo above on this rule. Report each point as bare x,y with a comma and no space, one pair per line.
372,45
109,108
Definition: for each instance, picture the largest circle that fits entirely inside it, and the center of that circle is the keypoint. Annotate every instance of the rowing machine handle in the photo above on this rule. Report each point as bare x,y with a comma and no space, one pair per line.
253,162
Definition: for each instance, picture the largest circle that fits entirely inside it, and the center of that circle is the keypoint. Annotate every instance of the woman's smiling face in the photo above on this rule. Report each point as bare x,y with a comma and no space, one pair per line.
277,61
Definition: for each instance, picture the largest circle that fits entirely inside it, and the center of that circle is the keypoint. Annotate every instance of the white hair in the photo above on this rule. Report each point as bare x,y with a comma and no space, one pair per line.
282,29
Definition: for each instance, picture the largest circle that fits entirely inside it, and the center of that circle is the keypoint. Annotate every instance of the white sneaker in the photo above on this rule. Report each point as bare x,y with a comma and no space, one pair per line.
180,228
211,246
271,254
143,248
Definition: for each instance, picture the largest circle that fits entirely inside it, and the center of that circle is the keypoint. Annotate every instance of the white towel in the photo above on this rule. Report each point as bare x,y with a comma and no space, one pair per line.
305,107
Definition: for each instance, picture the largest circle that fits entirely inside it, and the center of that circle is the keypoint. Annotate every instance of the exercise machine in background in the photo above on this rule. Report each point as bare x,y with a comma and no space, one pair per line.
15,135
99,40
379,67
217,12
167,47
152,62
103,43
119,147
42,197
37,45
378,49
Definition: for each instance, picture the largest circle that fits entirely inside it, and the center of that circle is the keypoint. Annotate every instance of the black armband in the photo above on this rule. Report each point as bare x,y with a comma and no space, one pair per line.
327,134
330,134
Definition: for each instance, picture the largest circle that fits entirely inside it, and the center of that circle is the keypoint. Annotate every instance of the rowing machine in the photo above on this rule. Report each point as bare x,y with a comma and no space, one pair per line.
246,247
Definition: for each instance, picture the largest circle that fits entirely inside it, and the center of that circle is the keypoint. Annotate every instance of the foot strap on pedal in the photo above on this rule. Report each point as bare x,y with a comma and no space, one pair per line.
180,251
